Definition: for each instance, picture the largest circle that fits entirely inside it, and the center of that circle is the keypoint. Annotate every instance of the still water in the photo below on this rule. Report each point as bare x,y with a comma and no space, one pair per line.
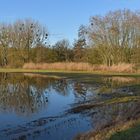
37,107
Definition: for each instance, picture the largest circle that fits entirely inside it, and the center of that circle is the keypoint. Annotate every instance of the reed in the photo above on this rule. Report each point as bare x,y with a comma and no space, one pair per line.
73,66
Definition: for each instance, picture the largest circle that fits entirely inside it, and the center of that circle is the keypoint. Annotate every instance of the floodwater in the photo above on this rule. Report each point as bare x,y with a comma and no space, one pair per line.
37,107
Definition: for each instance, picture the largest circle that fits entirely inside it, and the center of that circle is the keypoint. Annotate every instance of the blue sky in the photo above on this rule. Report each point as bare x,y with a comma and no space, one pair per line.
62,17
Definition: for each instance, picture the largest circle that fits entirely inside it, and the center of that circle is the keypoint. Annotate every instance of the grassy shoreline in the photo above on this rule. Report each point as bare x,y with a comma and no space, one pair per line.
121,131
67,72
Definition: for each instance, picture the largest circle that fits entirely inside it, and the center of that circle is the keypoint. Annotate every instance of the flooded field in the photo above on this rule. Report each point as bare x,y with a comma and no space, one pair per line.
38,107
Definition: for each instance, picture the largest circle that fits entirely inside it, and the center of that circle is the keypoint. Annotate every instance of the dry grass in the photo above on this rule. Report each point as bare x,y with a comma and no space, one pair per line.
72,66
122,67
60,66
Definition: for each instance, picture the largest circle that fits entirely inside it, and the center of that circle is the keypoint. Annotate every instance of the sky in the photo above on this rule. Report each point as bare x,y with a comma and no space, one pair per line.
61,17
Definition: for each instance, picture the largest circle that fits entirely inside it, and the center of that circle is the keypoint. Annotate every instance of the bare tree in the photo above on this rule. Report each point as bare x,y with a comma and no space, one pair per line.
114,35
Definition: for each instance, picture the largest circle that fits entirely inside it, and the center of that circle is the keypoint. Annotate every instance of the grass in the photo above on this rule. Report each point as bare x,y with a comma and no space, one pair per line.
68,71
129,130
129,134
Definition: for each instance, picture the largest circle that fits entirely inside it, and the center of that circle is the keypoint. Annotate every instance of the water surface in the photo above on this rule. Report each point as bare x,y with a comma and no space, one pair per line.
37,107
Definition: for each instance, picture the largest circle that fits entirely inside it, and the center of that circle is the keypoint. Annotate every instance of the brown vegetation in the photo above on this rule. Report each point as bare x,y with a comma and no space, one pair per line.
73,66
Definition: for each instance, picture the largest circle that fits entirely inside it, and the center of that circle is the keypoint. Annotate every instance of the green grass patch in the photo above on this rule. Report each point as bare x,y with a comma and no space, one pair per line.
129,134
62,71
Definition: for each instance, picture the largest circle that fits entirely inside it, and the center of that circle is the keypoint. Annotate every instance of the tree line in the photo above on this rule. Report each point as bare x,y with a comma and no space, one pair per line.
110,39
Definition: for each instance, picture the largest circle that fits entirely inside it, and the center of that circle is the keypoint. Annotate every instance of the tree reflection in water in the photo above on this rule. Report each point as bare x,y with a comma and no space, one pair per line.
26,94
21,94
